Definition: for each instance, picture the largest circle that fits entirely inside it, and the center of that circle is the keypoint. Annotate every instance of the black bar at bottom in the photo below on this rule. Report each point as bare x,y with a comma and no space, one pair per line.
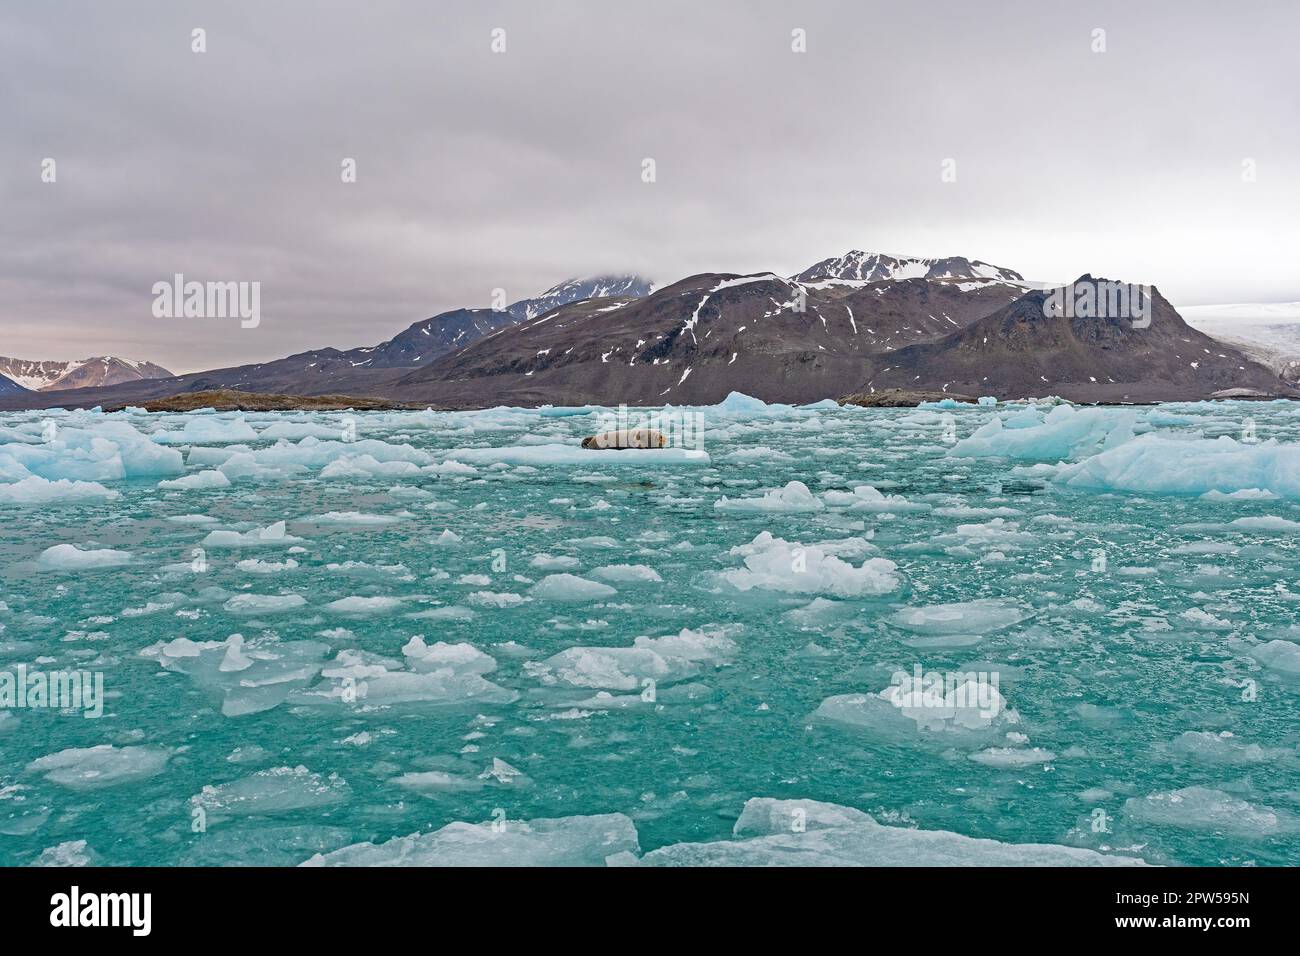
211,906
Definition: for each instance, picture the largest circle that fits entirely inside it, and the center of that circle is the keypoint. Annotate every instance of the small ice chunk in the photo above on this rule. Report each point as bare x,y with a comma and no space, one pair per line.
278,790
627,573
263,603
197,481
92,768
68,557
364,606
793,498
774,564
1203,808
35,490
570,587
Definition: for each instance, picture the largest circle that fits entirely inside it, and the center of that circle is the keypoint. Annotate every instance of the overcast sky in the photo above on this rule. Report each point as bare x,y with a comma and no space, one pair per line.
479,170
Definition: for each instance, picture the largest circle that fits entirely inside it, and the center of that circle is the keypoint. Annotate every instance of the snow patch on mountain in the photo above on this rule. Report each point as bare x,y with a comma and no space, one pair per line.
858,266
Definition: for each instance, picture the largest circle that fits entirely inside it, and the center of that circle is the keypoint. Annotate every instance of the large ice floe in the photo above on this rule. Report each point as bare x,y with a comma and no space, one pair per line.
270,792
104,765
437,676
662,660
808,833
957,624
962,710
1204,808
1063,432
445,637
1155,464
247,677
564,841
769,832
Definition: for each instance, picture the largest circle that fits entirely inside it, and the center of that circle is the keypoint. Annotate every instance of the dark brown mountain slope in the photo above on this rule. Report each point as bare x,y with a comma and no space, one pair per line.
1020,351
696,340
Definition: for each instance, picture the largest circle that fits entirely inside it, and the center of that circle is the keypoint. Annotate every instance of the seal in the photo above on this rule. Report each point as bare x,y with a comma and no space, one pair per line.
626,438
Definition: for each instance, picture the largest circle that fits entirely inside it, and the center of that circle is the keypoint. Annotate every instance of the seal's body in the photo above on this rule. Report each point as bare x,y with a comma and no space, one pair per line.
626,438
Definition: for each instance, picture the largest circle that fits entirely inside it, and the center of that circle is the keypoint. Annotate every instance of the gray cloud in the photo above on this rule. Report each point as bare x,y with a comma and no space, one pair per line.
515,170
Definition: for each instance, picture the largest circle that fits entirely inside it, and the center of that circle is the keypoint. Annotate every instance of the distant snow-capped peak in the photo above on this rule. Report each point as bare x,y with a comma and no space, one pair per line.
575,290
48,375
858,266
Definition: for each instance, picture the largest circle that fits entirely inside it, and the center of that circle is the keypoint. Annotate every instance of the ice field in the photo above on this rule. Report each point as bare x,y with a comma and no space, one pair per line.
440,638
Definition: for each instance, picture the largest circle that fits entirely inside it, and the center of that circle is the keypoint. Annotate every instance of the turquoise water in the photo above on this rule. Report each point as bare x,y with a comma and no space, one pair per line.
1125,672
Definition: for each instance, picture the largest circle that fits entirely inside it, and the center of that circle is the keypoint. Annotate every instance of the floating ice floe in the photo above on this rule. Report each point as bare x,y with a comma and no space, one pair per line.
68,853
563,841
497,599
552,562
296,431
263,603
794,498
1281,657
35,490
266,792
286,459
438,675
208,430
570,587
1204,808
436,782
662,660
967,710
774,832
68,557
819,613
759,453
273,535
92,768
367,466
364,606
1224,747
451,469
867,498
357,518
774,564
195,481
453,613
1245,494
1012,756
1158,464
996,534
104,451
1064,432
248,677
627,573
937,624
543,456
441,657
1267,524
258,566
738,405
